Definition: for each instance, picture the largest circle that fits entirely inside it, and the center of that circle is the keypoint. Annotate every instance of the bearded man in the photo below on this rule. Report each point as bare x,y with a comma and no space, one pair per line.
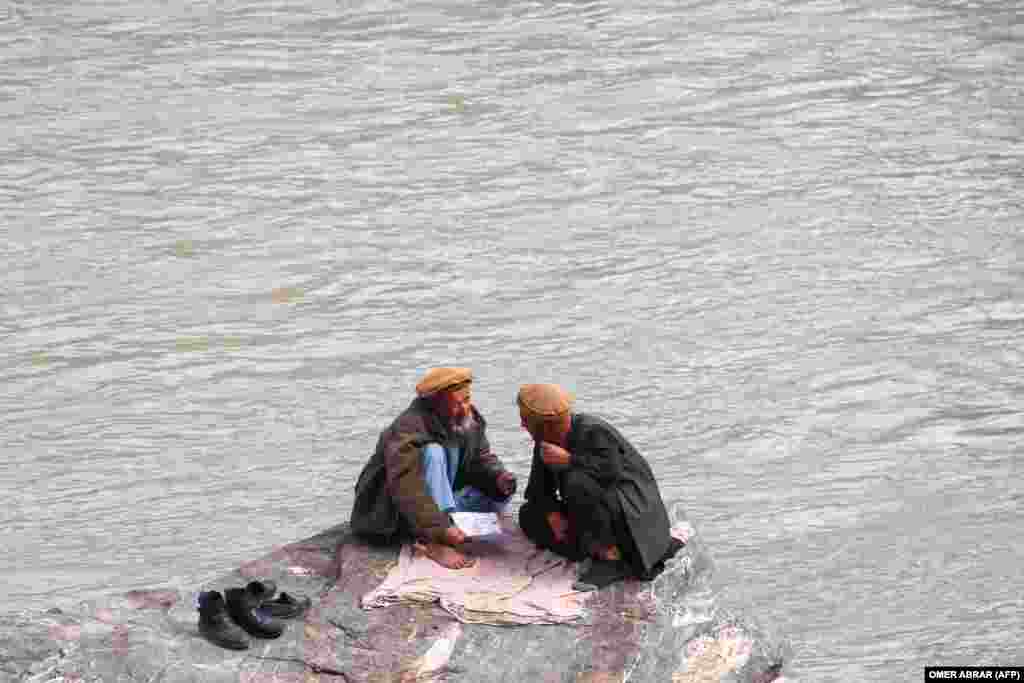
432,460
590,493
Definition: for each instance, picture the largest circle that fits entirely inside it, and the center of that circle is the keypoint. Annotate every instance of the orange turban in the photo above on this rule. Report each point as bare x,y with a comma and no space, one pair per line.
543,402
441,379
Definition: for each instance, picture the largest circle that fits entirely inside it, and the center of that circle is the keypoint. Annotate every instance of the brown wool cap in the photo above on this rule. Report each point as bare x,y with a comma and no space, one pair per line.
544,401
439,379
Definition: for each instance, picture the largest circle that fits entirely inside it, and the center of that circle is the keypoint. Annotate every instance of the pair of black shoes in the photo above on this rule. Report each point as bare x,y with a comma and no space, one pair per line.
228,620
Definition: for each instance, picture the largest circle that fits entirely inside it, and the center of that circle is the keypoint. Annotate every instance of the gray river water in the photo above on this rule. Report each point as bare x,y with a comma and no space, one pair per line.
777,243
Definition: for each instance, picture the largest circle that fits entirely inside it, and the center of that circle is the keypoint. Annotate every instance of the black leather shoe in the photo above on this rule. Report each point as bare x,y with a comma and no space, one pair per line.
261,590
286,606
245,607
215,626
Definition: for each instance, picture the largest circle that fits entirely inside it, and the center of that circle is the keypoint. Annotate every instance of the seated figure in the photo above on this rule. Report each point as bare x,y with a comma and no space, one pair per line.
432,460
590,493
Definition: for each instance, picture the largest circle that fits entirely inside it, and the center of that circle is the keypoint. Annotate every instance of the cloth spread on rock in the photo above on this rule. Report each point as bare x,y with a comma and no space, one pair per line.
513,582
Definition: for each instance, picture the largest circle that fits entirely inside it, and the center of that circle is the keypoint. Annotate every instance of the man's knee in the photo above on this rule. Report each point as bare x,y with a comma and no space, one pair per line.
577,479
591,507
581,489
434,452
533,521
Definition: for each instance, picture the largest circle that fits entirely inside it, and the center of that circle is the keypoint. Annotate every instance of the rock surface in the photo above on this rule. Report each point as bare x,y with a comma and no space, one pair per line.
671,629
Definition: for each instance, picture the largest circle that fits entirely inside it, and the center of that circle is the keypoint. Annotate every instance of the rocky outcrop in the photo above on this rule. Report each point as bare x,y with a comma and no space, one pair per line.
672,629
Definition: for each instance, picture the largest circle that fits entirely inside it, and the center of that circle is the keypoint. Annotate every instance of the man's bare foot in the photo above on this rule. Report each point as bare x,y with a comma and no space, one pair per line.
610,553
453,535
446,556
559,524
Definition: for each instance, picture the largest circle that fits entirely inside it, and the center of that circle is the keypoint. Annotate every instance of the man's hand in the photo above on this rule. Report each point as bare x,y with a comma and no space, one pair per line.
506,483
453,535
554,456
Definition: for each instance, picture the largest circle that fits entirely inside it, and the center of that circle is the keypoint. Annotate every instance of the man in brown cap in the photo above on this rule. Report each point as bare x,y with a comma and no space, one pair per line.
433,459
590,493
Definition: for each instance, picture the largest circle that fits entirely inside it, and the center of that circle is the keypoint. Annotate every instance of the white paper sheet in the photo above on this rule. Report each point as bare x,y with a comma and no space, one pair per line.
477,523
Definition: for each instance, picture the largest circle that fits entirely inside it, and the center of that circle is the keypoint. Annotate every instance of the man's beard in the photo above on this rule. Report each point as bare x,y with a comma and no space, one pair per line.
463,425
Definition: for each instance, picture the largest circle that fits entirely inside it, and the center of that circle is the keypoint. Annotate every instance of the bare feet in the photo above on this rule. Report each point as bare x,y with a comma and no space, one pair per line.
610,553
446,556
559,524
453,535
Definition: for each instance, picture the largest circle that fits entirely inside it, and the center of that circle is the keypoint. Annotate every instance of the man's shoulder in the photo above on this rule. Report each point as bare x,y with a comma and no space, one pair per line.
481,422
589,418
588,422
413,419
592,430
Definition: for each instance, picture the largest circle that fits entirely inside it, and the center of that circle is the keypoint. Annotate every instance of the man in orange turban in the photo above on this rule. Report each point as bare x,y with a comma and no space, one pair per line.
433,459
590,493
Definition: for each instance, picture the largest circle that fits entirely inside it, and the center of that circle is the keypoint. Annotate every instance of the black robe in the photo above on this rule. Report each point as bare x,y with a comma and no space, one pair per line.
601,451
